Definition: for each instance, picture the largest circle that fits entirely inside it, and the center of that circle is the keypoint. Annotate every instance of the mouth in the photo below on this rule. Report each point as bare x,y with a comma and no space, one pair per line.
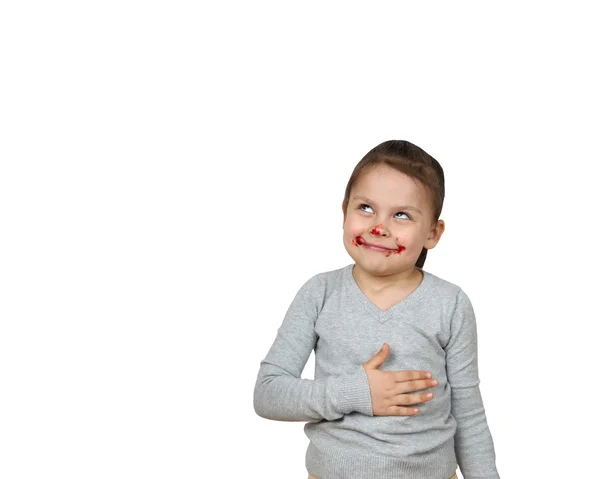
373,247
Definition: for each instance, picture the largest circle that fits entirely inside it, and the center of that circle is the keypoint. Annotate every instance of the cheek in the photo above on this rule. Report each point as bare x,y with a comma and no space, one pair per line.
355,238
351,237
353,228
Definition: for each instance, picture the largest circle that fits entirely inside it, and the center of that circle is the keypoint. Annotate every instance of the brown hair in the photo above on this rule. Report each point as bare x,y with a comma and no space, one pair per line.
410,160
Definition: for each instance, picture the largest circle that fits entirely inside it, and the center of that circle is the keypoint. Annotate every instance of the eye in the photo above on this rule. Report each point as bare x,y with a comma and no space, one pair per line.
364,205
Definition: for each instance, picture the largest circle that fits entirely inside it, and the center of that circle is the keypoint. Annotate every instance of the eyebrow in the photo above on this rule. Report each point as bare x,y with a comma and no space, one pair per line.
367,200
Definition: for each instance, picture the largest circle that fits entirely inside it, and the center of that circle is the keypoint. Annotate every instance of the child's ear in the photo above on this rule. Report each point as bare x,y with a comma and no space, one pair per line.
435,234
344,215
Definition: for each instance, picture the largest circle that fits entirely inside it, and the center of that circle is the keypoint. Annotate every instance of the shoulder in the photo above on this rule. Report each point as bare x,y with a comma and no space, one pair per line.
443,288
336,280
322,285
334,275
449,293
327,278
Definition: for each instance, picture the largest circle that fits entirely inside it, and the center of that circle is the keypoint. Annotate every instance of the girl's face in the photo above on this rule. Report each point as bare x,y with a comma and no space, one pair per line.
388,222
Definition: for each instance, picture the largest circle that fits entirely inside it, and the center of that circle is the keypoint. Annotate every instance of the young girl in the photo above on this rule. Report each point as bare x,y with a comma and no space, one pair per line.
359,409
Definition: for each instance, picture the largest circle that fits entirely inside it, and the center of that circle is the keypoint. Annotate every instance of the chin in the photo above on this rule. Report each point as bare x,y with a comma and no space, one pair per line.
382,270
375,268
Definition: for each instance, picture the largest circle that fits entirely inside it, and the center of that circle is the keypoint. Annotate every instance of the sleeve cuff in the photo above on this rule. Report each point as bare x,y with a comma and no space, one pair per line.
352,392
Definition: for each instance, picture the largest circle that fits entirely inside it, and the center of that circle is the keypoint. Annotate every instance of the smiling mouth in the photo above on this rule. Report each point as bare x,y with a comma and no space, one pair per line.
378,248
359,240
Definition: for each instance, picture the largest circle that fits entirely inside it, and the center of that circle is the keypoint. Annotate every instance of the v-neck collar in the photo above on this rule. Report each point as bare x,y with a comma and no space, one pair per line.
394,310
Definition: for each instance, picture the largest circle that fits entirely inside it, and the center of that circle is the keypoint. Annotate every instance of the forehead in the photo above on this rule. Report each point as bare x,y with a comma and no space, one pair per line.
388,185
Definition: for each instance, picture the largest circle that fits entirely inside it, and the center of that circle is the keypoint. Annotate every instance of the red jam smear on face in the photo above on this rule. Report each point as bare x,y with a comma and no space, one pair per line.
358,240
397,251
375,231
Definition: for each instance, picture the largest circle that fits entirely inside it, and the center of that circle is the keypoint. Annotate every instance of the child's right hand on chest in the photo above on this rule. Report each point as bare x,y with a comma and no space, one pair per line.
390,389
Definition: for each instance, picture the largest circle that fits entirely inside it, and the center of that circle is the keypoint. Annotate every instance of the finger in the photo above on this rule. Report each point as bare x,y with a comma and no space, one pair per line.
403,411
401,376
409,399
413,386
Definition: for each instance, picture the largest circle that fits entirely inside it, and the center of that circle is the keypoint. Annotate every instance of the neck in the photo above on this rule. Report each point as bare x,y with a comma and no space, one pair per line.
380,283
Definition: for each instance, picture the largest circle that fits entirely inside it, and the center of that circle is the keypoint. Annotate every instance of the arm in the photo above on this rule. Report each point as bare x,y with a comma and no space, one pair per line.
473,442
281,394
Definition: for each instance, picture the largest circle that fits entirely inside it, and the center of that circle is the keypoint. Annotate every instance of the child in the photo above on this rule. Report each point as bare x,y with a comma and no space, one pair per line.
360,422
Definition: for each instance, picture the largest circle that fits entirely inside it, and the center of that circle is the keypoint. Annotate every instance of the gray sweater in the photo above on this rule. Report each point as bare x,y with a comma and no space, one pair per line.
432,329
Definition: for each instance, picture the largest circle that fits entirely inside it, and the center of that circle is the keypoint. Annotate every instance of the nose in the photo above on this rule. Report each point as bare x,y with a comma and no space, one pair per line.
379,230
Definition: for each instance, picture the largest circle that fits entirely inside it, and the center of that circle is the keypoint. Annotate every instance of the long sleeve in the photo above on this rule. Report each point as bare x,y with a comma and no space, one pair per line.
474,446
281,394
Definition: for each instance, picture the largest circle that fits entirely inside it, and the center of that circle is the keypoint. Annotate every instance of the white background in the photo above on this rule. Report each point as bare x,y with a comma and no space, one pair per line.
172,172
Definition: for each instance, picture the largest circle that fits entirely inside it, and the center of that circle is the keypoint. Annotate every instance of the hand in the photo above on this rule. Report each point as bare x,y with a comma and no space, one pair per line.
389,388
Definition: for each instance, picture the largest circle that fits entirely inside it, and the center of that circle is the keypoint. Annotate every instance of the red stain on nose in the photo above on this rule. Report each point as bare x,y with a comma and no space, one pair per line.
376,231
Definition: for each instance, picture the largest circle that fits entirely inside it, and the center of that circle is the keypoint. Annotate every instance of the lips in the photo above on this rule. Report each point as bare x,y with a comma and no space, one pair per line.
379,246
360,240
